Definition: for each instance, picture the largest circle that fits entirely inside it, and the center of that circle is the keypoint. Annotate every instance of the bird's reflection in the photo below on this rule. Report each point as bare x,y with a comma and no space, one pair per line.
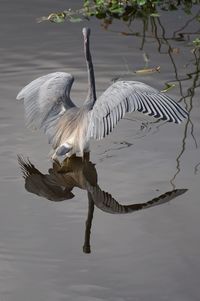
60,181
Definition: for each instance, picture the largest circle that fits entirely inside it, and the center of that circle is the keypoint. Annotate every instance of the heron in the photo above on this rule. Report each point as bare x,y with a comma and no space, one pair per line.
48,106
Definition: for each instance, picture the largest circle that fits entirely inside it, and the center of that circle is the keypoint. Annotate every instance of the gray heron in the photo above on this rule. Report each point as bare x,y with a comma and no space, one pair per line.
69,128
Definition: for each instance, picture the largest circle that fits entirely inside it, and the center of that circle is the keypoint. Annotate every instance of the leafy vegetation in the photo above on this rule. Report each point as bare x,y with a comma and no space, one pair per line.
196,43
126,10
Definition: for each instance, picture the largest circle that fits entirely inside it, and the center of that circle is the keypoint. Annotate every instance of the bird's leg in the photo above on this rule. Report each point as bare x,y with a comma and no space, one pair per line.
88,225
86,156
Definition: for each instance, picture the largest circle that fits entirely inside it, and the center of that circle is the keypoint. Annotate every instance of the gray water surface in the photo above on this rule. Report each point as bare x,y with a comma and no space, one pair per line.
151,254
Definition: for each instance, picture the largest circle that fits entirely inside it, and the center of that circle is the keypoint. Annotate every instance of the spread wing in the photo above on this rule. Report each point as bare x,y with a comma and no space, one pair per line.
46,99
48,186
105,202
128,96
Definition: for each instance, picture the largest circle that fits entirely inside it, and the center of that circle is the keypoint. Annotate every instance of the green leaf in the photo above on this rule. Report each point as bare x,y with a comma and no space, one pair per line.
117,10
141,2
155,15
56,17
74,19
168,87
196,42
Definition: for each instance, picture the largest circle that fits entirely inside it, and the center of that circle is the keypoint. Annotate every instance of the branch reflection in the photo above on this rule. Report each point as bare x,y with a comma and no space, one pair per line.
60,181
185,69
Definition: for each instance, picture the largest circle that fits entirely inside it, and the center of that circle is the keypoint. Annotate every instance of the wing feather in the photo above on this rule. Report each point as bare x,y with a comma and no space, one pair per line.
127,96
105,201
46,99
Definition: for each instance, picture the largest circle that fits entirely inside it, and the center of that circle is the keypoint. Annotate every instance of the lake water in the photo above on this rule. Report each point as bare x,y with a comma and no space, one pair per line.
151,254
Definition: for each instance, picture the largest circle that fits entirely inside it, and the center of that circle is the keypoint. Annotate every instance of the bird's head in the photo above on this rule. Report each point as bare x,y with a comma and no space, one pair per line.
86,33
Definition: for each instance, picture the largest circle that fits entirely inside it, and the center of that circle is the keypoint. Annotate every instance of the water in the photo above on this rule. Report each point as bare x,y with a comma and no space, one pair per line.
151,254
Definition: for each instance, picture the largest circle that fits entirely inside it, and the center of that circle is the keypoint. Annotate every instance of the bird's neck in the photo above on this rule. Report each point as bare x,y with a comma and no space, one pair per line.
91,97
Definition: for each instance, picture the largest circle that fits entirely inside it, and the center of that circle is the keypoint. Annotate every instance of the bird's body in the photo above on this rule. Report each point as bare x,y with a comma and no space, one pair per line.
48,106
72,131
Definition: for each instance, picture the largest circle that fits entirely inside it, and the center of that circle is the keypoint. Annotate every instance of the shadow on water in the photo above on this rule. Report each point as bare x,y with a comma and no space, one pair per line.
58,184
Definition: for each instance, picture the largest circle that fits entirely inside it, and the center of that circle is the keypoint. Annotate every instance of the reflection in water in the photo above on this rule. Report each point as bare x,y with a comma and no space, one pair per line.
189,96
58,184
196,168
186,75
